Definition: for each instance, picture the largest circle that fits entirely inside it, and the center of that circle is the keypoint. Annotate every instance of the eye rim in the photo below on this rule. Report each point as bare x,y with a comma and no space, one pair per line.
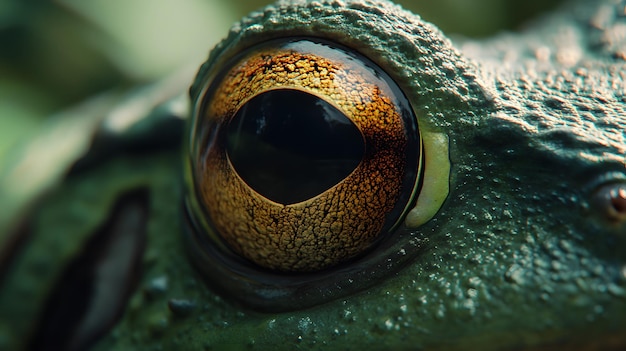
251,288
265,290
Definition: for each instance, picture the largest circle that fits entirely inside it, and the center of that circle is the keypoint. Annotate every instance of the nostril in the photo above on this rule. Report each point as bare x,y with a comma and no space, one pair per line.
618,203
609,201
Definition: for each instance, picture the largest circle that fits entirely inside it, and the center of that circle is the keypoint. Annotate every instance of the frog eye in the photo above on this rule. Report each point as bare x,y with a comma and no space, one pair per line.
305,155
609,201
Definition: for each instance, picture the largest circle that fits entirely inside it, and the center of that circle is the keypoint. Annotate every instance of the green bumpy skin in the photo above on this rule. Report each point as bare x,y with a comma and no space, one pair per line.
516,258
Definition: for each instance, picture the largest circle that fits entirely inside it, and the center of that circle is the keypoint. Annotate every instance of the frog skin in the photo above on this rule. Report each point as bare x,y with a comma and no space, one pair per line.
525,252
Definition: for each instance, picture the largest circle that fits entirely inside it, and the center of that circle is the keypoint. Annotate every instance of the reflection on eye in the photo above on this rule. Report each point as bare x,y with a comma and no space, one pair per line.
305,155
290,146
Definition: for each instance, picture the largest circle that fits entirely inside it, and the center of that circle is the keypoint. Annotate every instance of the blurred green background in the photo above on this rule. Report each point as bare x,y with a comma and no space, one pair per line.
54,54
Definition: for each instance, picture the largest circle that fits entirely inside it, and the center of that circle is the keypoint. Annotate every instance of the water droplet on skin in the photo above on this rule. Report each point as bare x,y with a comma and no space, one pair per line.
346,314
616,290
304,324
487,216
388,324
181,307
156,286
271,324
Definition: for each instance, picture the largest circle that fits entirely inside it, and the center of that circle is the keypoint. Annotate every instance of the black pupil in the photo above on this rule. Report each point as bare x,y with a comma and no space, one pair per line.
289,145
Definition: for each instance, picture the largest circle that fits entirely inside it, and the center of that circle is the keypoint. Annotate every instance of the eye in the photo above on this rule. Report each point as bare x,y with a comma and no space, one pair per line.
307,155
305,159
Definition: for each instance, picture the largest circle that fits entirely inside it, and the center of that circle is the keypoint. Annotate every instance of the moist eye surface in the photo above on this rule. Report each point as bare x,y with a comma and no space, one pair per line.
306,155
289,145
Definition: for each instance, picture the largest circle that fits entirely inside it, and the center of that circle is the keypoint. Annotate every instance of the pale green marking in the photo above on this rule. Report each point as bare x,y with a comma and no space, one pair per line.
436,180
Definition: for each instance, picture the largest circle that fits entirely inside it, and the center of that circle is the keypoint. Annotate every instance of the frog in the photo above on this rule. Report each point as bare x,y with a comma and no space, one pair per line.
520,247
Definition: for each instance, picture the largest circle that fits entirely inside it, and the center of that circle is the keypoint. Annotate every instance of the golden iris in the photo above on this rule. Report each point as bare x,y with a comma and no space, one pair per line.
304,154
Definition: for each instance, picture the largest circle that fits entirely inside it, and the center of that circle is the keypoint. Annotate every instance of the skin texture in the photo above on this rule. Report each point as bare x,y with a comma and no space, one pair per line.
519,256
